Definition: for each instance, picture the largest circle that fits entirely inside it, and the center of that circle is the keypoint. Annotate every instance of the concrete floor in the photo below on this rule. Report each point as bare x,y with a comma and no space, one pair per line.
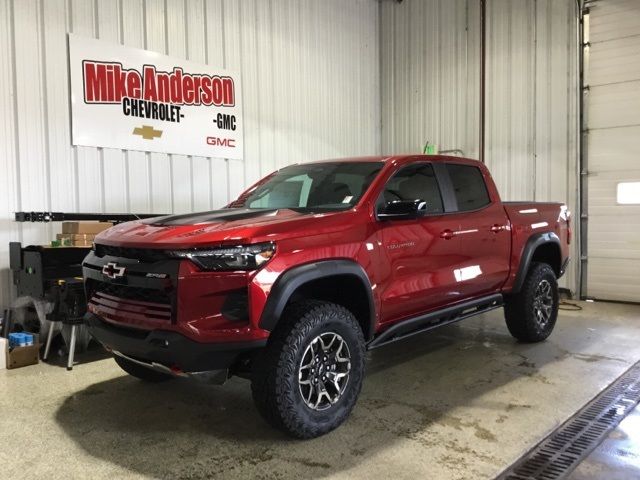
462,402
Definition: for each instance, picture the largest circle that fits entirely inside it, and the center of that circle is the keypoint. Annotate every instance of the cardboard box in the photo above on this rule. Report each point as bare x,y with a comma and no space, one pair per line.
85,227
75,239
23,356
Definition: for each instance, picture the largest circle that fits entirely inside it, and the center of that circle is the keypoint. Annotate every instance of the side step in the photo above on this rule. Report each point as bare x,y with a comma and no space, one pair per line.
429,321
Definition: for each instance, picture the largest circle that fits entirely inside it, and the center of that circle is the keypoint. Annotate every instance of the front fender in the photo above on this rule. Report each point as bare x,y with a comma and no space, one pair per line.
294,278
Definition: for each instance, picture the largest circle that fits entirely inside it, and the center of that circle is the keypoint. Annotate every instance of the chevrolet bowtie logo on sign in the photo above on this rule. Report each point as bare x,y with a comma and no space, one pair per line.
112,270
133,99
147,132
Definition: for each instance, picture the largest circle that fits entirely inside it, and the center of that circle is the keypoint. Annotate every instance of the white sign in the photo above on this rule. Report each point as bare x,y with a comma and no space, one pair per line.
140,100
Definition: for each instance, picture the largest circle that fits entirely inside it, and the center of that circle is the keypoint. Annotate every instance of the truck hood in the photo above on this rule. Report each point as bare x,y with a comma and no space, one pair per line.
226,226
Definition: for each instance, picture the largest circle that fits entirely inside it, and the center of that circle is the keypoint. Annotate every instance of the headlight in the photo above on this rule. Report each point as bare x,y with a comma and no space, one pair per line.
244,257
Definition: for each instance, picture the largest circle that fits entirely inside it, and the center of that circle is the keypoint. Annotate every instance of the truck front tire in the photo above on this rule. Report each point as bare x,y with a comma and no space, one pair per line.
308,377
532,312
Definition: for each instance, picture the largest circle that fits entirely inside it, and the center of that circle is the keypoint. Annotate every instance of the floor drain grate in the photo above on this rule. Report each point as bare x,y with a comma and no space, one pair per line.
558,454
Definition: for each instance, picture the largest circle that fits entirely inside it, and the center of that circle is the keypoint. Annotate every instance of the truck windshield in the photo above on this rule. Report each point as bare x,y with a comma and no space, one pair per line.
312,187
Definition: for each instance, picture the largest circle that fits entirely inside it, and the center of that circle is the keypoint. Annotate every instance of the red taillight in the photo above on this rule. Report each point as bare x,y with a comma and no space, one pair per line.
568,232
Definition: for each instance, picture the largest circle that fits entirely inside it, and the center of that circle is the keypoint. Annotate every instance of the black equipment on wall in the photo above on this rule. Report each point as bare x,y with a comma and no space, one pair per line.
55,273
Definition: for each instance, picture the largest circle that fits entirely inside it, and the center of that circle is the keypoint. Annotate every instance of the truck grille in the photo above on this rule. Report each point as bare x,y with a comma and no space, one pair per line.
146,295
143,254
120,302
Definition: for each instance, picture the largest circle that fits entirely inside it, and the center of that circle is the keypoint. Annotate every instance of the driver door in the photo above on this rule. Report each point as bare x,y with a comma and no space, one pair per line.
420,253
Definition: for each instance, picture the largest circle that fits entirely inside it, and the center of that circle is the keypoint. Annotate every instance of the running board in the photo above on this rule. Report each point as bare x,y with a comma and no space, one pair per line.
429,321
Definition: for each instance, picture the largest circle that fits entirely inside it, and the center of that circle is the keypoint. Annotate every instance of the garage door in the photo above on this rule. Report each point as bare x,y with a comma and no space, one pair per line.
612,72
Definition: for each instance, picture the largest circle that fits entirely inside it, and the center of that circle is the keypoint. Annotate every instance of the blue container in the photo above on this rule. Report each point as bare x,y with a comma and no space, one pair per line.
20,340
15,340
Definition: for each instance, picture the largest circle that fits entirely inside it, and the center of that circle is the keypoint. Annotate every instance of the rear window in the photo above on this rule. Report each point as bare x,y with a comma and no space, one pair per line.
469,187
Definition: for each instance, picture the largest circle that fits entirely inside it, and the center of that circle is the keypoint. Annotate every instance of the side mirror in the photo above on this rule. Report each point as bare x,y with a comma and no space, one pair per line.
403,209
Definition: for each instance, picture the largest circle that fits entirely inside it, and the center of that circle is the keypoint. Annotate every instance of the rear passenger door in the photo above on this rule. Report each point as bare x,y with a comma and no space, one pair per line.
483,232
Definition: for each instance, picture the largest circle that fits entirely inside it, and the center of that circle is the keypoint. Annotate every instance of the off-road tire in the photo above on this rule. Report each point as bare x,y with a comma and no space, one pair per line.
275,374
520,308
143,373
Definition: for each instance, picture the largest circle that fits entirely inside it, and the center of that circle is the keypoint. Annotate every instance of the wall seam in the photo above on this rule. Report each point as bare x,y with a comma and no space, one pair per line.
125,153
147,155
96,34
549,97
14,80
535,98
380,89
258,99
45,105
187,48
76,166
223,39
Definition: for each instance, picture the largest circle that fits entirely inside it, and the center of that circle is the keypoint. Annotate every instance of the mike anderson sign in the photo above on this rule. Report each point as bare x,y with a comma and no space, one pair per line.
140,100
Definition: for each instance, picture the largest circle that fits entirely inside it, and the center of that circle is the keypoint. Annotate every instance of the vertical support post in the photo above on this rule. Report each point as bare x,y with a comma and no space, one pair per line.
47,346
483,40
72,347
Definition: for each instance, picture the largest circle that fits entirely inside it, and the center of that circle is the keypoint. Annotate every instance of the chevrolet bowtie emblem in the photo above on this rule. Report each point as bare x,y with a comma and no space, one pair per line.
147,132
113,270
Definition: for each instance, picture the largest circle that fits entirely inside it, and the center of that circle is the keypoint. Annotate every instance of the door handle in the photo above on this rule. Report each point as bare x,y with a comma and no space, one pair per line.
446,234
497,228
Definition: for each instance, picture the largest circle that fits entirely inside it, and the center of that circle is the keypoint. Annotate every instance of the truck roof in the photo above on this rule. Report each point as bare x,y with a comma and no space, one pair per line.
397,158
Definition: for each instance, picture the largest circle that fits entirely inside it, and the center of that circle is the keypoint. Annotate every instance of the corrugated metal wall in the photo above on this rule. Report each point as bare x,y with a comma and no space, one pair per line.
320,79
430,69
531,98
310,73
430,75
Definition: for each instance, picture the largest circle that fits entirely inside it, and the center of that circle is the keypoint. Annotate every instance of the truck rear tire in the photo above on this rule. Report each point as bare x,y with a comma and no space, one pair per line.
143,373
307,379
532,312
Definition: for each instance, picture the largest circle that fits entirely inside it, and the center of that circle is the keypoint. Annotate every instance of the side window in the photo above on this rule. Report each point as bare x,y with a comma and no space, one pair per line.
412,183
468,186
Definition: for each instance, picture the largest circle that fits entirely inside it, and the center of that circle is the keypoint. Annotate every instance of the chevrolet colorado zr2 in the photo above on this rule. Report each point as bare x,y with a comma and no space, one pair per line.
290,284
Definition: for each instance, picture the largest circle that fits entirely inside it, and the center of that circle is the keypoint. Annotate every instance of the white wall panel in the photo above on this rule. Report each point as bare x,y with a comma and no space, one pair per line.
510,97
309,71
9,193
532,93
615,19
614,61
430,90
613,121
320,79
430,80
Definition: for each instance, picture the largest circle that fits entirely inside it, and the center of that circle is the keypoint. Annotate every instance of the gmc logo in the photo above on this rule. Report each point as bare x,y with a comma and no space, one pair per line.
221,142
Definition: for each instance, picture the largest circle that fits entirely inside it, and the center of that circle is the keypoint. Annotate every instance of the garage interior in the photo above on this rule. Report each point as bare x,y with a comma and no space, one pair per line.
545,92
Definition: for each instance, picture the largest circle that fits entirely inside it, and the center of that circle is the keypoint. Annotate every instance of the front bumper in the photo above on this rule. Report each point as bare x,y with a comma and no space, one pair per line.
170,295
167,348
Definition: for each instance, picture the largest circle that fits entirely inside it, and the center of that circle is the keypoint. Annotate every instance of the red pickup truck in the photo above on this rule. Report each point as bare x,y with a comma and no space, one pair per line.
294,281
